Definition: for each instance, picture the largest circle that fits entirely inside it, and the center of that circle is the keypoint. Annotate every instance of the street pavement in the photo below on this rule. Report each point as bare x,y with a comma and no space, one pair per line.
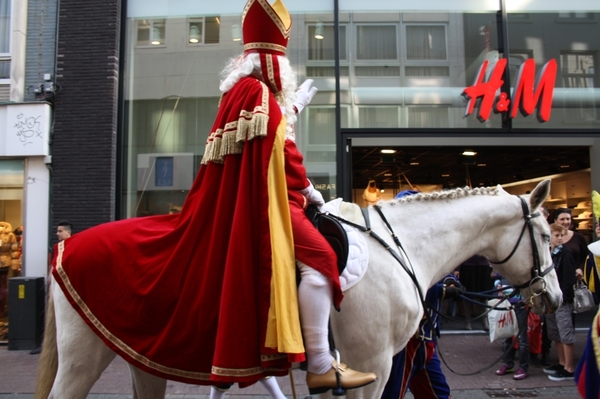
465,352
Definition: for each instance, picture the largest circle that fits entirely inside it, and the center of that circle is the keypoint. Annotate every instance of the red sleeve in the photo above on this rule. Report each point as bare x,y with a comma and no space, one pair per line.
294,167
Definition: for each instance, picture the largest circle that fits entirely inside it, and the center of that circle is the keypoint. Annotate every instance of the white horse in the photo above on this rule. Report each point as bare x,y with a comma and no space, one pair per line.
437,231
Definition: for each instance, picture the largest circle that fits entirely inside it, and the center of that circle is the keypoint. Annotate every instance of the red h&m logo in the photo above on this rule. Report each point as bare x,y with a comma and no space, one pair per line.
525,96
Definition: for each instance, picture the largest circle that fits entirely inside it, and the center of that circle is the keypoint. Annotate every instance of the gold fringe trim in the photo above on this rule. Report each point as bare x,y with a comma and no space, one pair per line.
230,140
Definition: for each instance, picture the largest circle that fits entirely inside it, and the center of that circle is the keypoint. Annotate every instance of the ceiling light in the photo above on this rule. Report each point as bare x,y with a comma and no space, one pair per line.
319,31
564,166
387,151
414,163
446,175
481,164
194,33
236,33
469,153
387,174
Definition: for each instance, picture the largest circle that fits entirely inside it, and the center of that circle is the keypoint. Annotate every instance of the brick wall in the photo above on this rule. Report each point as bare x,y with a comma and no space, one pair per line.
85,127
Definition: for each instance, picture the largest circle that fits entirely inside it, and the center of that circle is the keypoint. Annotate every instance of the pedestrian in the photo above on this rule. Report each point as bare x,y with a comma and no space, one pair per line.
417,367
560,324
64,230
508,344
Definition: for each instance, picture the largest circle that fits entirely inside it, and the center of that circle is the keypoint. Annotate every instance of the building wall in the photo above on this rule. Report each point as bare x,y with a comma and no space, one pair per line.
84,143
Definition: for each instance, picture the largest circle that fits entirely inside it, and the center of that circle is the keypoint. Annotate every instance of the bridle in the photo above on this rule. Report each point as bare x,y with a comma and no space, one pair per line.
537,274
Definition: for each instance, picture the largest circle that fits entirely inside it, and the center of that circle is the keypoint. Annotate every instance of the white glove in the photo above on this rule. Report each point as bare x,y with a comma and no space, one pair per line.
314,196
304,95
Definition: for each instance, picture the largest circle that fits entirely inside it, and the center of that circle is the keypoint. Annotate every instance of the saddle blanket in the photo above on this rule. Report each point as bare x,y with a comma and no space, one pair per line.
358,252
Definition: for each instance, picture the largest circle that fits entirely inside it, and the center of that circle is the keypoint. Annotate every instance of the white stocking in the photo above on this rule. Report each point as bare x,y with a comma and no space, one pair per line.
315,296
216,393
272,387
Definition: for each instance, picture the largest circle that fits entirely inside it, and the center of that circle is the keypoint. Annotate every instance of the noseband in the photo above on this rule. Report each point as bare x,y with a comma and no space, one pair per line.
536,271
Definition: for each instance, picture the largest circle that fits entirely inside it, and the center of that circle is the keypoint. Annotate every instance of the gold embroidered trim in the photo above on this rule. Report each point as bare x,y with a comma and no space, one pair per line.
271,13
142,359
113,339
230,139
264,46
245,372
270,70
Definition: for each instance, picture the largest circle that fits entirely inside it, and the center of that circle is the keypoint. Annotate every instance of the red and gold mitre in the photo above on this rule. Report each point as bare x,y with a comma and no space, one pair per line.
266,28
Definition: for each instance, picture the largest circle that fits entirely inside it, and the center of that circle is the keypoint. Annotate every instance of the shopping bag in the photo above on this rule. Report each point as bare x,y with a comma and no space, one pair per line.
534,333
503,323
584,299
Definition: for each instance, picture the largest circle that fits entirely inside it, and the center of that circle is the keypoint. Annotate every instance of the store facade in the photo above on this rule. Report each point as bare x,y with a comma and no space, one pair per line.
25,135
389,74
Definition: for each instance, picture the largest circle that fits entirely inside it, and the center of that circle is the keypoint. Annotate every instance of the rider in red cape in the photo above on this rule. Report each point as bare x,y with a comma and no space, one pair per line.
208,296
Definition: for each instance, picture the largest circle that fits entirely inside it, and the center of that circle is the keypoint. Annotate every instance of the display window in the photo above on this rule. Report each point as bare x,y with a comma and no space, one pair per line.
11,231
381,68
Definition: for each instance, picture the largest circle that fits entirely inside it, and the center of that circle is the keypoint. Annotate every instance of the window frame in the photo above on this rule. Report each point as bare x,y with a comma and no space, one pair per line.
5,56
424,62
201,20
376,61
151,21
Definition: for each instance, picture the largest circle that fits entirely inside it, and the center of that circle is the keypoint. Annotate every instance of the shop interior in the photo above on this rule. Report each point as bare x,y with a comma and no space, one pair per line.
518,169
11,201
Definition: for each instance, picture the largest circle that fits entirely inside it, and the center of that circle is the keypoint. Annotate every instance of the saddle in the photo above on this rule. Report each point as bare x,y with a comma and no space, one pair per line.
333,231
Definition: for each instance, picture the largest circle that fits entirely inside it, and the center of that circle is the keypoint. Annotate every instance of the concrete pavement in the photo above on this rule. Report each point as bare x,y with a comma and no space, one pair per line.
464,353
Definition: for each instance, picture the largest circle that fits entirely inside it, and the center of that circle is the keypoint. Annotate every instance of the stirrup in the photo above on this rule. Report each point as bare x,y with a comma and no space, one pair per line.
338,391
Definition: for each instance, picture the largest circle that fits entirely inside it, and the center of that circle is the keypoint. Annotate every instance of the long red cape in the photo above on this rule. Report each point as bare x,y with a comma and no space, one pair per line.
186,297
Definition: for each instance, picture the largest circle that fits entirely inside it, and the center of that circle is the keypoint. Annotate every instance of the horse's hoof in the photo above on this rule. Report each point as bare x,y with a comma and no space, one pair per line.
339,379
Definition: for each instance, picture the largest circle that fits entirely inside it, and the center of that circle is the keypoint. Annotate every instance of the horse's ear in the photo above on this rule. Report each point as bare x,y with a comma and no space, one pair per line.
539,194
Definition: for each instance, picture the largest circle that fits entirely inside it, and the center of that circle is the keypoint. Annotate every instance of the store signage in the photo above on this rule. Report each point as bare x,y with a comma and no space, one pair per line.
526,95
25,129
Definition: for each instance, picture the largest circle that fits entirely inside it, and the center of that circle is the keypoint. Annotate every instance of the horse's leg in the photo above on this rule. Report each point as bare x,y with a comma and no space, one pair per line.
82,354
382,362
48,363
147,386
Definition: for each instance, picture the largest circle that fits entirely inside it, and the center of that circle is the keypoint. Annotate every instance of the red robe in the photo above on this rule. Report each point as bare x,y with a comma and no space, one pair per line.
203,296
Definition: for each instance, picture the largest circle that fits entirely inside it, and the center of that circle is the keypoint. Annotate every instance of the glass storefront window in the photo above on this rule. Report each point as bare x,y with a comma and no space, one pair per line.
410,67
571,37
4,27
11,221
402,65
175,51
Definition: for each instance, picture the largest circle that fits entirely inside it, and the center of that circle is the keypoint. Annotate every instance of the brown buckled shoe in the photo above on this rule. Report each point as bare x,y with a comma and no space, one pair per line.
339,379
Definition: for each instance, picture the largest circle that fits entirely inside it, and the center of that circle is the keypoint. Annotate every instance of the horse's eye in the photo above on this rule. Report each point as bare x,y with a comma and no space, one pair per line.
546,237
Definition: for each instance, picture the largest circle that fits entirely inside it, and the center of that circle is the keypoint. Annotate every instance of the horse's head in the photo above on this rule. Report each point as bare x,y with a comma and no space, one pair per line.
528,264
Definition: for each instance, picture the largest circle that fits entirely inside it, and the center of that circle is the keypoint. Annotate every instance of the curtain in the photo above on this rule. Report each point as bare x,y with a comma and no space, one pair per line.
426,42
428,117
381,117
322,49
321,125
376,42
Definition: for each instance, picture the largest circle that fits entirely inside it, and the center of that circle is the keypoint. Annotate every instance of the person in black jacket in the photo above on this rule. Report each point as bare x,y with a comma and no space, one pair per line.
560,324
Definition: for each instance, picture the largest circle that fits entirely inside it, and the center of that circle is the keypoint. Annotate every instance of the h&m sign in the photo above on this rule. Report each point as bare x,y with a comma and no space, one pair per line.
526,95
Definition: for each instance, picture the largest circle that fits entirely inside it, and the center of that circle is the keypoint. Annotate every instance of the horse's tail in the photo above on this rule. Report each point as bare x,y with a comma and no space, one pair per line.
48,363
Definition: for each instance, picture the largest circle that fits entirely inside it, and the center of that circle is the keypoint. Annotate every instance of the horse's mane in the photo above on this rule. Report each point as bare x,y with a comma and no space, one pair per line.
446,194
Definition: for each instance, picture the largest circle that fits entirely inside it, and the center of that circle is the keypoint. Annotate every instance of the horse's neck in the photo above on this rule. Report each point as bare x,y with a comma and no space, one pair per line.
439,235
